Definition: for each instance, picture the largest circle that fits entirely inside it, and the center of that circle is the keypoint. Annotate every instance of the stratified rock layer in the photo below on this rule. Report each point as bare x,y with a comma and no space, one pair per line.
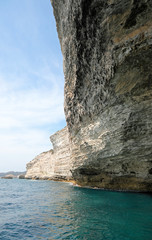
54,164
107,52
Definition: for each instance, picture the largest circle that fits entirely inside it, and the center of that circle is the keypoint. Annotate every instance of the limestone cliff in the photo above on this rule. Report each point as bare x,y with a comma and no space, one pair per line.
54,164
107,51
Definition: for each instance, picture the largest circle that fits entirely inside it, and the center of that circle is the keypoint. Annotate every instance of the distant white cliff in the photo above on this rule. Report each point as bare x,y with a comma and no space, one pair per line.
54,164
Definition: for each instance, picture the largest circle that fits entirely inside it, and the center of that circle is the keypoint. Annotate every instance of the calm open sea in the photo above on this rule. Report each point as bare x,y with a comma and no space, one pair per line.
54,210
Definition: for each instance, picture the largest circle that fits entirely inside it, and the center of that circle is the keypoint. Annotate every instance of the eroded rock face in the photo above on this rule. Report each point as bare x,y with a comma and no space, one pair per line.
107,52
54,164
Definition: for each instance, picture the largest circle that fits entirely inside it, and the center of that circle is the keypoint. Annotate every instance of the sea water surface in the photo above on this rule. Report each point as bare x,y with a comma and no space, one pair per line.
56,210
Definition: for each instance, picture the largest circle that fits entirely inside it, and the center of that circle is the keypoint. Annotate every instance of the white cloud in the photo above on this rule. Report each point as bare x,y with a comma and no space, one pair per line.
18,148
31,81
27,109
35,106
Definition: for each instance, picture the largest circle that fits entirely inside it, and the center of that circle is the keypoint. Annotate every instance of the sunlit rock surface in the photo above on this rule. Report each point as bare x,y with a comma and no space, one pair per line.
107,52
54,164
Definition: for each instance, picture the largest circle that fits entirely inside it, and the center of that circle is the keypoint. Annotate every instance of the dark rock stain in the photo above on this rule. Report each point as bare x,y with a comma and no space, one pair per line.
138,8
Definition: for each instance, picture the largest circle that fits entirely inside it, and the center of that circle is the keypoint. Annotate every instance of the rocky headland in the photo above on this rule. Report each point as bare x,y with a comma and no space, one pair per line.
107,60
54,164
12,174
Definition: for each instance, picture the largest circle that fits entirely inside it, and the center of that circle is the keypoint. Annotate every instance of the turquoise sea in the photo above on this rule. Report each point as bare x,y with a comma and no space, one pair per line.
56,210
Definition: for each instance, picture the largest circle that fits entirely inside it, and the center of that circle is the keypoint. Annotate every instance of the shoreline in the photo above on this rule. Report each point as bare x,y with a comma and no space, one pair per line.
75,184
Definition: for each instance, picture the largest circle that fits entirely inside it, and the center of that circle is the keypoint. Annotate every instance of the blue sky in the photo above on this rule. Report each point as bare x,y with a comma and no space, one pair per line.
31,81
